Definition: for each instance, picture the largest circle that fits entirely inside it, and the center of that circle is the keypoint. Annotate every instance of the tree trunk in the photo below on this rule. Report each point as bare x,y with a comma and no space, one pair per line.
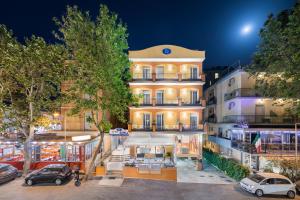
28,151
94,156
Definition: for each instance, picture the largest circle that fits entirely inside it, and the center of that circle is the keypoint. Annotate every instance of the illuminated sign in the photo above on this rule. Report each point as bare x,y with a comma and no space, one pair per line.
81,138
166,51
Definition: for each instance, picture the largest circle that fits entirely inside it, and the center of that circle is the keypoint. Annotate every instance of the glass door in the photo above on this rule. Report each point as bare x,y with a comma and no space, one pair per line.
146,121
194,73
160,72
160,97
193,121
160,121
146,97
146,73
194,97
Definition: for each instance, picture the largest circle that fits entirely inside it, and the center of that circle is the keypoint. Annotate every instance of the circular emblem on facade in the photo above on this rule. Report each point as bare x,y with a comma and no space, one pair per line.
166,51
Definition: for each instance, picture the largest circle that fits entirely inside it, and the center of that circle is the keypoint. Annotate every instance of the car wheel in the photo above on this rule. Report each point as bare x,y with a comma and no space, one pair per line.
29,182
291,194
259,193
58,181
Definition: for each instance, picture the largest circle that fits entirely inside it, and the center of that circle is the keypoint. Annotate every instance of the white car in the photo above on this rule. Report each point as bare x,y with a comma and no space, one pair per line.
268,183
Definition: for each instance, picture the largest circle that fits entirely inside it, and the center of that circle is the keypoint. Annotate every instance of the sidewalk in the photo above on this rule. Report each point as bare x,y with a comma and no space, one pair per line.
187,173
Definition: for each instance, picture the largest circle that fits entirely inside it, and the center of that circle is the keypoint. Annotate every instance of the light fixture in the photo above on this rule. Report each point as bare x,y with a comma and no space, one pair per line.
170,67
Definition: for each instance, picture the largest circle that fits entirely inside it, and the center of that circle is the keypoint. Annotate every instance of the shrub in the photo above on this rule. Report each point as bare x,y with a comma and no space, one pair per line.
229,166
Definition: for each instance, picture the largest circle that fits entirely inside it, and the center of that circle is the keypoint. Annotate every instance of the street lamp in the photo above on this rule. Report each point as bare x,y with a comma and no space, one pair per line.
296,147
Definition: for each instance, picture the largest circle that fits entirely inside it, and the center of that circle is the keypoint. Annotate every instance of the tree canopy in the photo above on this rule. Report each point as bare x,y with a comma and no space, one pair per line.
98,52
30,77
276,63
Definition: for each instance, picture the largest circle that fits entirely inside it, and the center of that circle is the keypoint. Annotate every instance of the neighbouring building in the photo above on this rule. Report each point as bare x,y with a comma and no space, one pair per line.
245,126
169,82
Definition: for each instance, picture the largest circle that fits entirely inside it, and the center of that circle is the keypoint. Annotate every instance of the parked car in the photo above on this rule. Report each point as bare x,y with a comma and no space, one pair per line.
268,183
7,173
53,173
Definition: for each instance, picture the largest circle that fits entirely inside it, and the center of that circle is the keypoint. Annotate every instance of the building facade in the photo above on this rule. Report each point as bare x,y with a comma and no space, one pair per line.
246,126
168,80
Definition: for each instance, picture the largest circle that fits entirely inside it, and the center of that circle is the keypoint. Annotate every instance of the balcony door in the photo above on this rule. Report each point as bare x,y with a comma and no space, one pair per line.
146,73
160,97
193,121
160,72
259,113
146,121
160,121
194,72
146,97
193,97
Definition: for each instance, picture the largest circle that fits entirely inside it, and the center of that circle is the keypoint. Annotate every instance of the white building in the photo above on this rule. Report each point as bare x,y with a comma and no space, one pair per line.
236,114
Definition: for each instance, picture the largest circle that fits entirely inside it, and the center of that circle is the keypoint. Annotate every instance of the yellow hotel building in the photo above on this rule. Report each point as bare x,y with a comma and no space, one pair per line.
169,82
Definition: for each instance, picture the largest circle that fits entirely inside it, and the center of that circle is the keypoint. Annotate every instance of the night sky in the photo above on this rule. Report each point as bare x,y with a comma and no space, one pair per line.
212,25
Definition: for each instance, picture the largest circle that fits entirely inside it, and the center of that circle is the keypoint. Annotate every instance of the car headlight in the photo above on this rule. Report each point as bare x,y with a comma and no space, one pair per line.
251,186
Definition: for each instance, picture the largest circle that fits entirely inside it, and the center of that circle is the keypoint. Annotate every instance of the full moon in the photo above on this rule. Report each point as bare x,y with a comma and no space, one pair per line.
246,29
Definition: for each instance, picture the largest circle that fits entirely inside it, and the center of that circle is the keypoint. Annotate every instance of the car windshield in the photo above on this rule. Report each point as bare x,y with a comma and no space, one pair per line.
256,178
3,168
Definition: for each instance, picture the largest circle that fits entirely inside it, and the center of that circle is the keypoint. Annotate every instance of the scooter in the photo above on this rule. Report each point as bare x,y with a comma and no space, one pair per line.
76,178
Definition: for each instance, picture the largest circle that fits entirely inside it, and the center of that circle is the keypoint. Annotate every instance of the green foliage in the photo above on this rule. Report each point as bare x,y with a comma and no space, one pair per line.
98,50
229,166
287,168
30,76
276,64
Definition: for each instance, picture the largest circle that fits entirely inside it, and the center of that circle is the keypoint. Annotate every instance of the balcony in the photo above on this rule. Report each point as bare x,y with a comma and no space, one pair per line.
167,127
241,92
266,148
167,77
212,101
260,119
141,127
171,102
212,119
222,141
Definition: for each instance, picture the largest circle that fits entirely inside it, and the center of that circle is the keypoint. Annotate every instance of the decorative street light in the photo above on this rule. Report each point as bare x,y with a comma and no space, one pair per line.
296,147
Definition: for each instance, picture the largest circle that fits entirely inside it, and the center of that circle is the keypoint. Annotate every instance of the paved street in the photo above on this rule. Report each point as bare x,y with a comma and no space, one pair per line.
131,190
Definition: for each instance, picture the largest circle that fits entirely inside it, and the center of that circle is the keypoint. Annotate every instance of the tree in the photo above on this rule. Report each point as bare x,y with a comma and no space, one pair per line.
276,64
98,50
30,76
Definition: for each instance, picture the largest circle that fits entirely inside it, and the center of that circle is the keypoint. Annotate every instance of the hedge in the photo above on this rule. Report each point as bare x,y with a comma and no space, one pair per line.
229,166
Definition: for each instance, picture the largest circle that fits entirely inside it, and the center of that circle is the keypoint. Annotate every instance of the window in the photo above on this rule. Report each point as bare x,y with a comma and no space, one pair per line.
268,181
282,181
231,82
216,75
256,178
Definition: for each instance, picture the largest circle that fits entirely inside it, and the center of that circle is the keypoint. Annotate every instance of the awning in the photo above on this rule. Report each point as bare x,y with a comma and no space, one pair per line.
149,139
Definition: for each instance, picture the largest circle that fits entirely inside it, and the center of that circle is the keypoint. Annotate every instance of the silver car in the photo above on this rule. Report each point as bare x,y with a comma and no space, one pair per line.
268,183
7,173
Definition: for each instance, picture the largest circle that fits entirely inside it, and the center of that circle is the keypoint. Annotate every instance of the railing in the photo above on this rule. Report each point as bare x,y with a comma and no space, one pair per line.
145,103
167,76
241,92
189,76
164,102
261,119
142,76
191,127
167,127
138,127
212,119
190,103
212,100
265,148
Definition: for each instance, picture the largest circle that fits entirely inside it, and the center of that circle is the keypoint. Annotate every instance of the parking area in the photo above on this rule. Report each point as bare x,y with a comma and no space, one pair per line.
187,173
131,189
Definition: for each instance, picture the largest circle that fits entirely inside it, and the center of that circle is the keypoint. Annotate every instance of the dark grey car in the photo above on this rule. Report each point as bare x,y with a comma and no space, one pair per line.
7,173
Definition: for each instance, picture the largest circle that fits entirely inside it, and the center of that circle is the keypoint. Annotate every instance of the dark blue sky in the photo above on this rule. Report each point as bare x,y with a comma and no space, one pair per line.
211,25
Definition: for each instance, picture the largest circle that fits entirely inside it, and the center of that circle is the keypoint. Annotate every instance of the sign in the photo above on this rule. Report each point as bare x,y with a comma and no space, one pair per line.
81,138
166,51
118,132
